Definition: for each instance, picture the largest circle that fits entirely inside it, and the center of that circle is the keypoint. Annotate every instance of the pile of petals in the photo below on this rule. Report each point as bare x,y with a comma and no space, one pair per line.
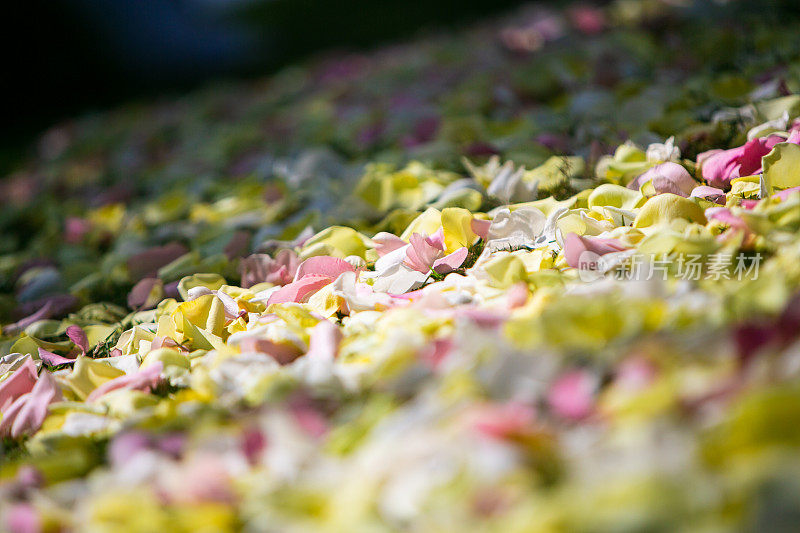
446,330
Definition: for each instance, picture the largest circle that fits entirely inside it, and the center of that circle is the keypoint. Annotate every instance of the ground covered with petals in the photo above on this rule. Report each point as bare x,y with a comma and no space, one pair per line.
539,275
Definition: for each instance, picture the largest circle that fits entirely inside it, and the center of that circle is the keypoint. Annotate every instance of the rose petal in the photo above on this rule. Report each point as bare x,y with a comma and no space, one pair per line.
19,383
300,290
450,262
146,378
712,194
53,359
30,416
576,245
323,265
481,227
78,336
422,253
387,242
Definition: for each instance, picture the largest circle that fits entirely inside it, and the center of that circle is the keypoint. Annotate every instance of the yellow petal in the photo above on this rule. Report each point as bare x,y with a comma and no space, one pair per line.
505,271
666,207
457,225
88,374
426,223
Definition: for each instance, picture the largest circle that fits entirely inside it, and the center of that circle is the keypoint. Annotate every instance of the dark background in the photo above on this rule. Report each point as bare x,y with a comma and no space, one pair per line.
65,57
62,58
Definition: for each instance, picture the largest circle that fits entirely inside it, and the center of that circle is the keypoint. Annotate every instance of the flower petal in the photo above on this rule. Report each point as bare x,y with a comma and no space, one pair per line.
450,262
299,290
323,265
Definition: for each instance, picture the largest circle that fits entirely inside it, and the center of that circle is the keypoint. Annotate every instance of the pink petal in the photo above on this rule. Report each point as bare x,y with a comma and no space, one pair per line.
126,446
300,290
34,410
282,353
667,178
287,262
572,395
507,420
172,444
794,136
517,295
712,194
22,518
53,359
437,239
750,162
702,157
480,227
141,291
164,342
10,416
78,336
422,253
483,317
259,268
784,194
253,443
229,304
434,354
204,479
323,265
576,245
19,383
724,215
44,312
635,373
450,262
325,339
310,420
146,378
720,168
386,242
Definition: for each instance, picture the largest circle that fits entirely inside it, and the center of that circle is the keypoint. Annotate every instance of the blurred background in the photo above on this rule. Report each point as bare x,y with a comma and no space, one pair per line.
65,57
